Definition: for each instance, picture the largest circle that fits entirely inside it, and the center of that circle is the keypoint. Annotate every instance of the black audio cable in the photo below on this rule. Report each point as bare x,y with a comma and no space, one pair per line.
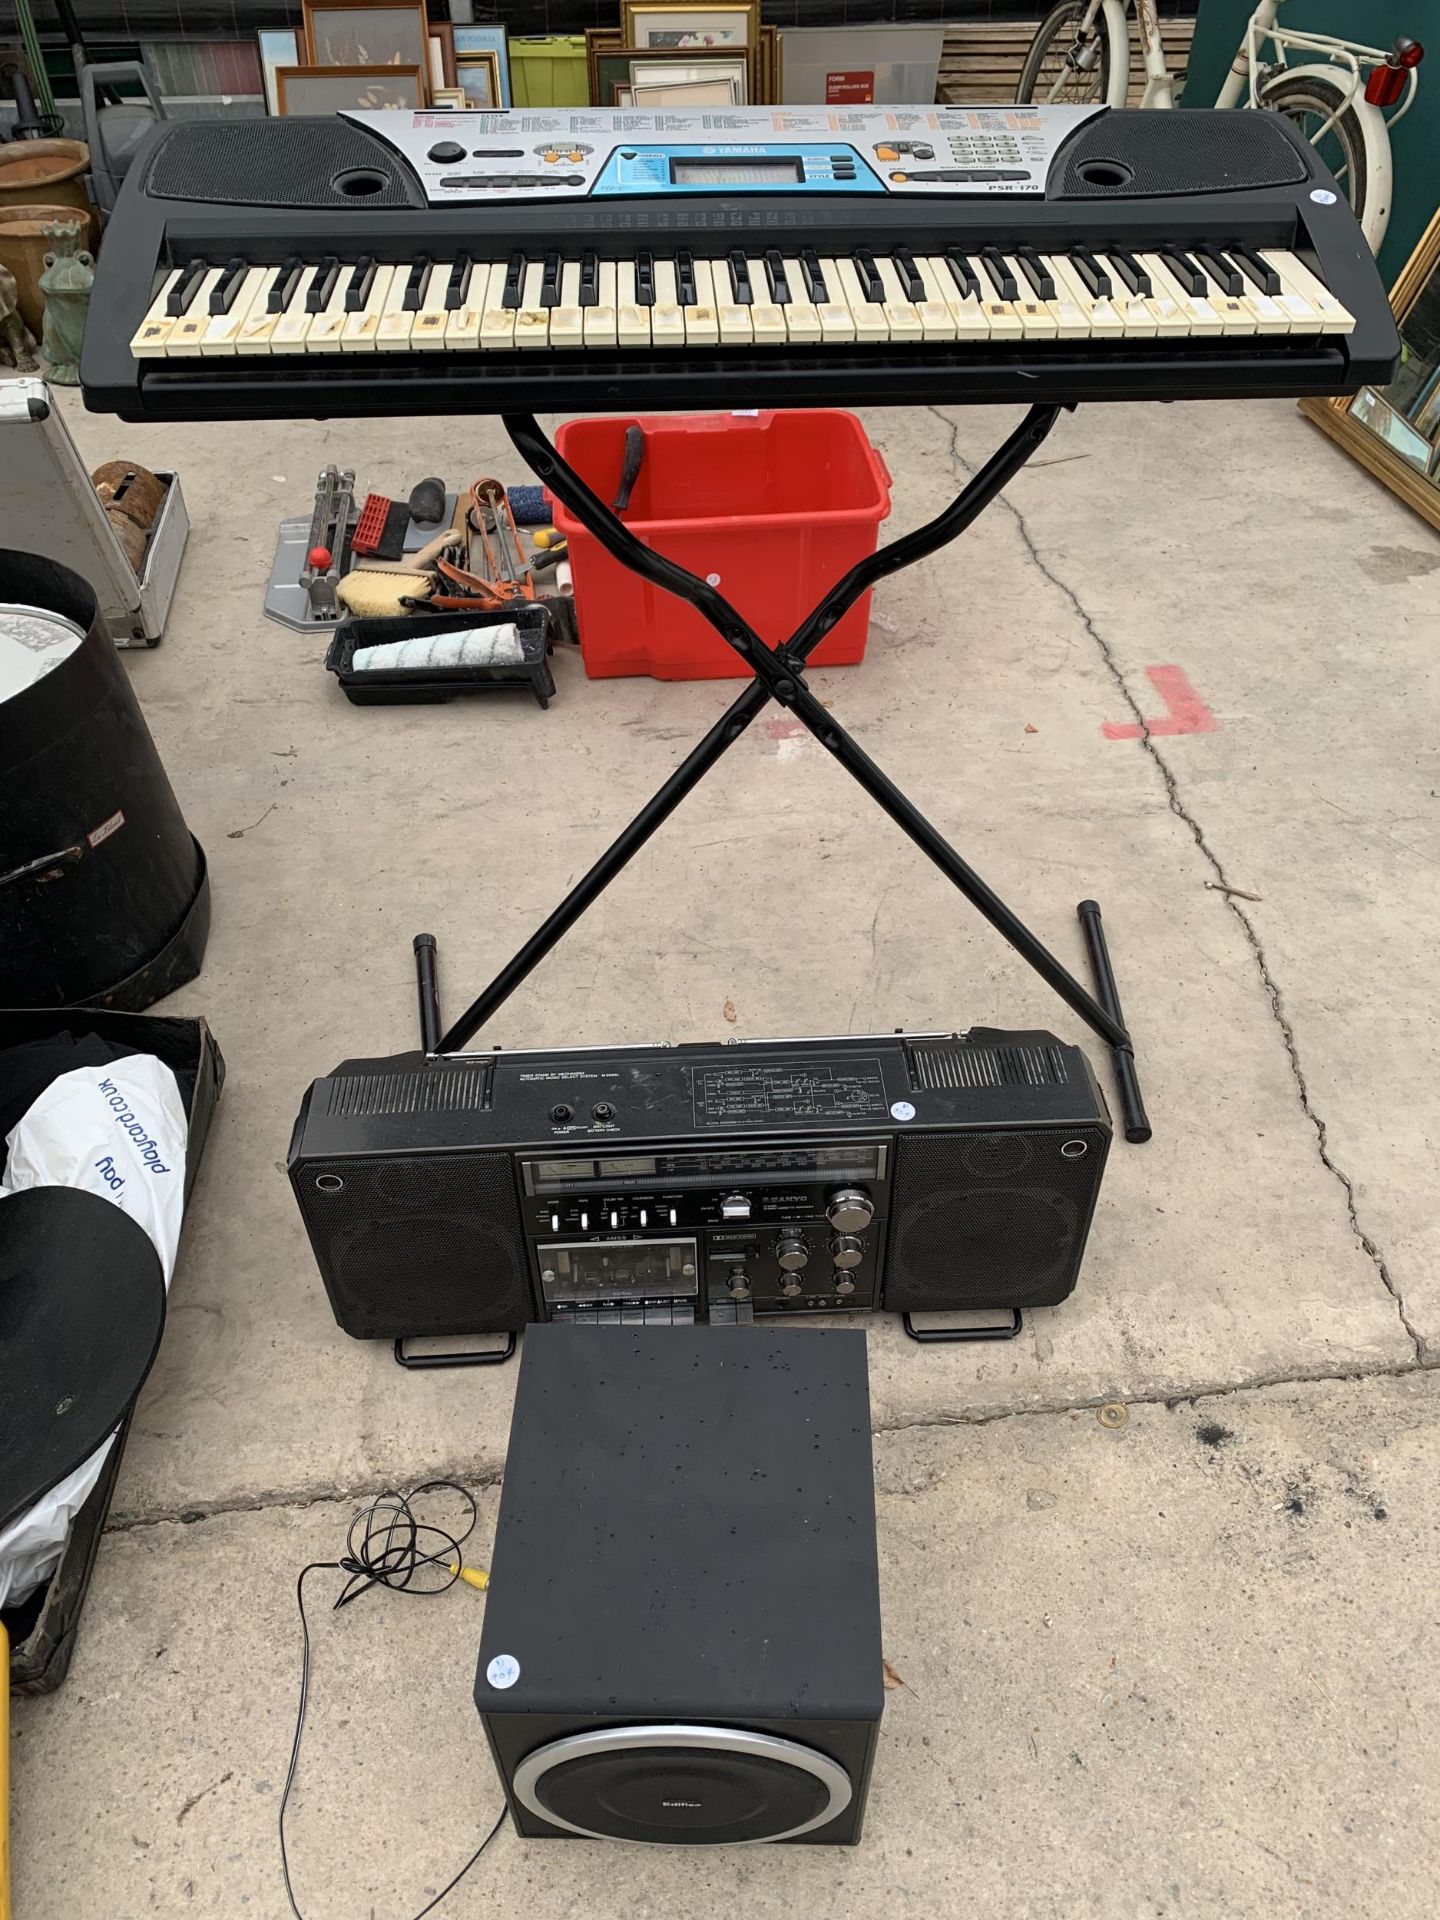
387,1546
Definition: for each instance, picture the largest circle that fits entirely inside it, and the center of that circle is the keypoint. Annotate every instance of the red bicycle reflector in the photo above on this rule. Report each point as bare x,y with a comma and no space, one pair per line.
1385,86
1408,52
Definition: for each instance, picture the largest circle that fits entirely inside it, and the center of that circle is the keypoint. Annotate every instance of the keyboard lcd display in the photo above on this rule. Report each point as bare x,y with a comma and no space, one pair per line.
704,172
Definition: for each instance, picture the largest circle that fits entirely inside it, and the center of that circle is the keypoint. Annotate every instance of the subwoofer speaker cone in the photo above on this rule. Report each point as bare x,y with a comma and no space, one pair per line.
682,1785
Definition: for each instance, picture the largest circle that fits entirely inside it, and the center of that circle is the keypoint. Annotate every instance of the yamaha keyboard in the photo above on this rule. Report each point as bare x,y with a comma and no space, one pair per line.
404,263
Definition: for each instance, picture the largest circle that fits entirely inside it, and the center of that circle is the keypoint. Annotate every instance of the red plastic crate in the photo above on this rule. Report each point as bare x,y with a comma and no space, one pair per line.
772,508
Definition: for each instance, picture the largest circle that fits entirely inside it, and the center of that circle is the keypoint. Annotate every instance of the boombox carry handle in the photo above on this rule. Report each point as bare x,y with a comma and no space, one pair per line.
779,676
471,1357
928,1336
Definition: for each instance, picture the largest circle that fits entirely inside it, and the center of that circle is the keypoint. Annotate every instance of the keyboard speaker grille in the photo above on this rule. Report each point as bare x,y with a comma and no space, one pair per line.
1129,154
279,163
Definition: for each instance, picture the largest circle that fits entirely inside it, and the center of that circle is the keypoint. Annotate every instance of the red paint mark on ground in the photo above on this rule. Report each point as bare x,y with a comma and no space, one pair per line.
783,728
1185,711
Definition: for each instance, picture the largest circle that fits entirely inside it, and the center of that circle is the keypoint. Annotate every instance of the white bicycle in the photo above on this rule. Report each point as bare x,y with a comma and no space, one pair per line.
1343,103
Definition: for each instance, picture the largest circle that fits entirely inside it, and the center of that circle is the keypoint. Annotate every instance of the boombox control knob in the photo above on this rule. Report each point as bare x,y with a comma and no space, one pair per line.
789,1287
846,1251
845,1286
792,1252
739,1284
850,1210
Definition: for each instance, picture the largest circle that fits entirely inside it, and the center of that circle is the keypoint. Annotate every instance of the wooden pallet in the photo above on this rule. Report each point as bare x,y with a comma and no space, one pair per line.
980,64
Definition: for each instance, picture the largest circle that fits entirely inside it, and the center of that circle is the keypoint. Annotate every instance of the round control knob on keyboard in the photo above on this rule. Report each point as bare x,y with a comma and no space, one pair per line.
792,1252
845,1285
846,1251
789,1287
446,152
850,1210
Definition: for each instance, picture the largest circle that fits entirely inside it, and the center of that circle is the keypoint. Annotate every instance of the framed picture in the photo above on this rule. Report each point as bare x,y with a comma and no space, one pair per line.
279,47
636,71
487,40
1394,431
452,98
367,33
763,87
478,76
685,29
442,57
310,90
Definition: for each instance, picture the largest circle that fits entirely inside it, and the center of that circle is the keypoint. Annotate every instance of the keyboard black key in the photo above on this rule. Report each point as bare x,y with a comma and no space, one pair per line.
1256,270
1000,275
361,281
1221,271
1096,279
1131,272
589,280
685,293
1186,272
814,277
775,274
871,284
644,278
327,274
513,292
286,281
414,294
550,280
742,295
222,294
185,289
909,274
458,285
963,273
1036,272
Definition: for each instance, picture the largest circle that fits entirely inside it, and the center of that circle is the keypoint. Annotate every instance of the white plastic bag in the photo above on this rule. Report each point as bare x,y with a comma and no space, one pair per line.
118,1131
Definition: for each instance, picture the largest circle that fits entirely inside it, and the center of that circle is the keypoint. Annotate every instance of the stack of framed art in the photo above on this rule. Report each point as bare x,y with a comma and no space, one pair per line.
381,53
668,56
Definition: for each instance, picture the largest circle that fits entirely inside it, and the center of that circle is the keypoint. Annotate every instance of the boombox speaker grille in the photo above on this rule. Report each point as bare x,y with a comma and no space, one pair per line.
1130,154
416,1246
990,1219
278,163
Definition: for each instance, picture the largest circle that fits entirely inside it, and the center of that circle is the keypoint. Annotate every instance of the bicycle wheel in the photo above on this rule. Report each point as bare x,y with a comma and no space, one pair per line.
1065,65
1309,98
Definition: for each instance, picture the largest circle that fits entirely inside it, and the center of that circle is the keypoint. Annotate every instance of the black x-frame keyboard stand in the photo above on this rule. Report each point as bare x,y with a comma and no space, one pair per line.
779,675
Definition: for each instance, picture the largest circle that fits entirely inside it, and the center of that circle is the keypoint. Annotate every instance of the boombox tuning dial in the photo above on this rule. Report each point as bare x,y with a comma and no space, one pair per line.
792,1252
850,1210
846,1251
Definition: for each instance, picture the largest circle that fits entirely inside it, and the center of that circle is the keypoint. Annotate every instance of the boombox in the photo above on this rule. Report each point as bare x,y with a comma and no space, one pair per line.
682,1630
476,1193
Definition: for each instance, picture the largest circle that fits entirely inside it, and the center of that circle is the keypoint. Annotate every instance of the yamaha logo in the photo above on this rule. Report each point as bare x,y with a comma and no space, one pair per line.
680,1803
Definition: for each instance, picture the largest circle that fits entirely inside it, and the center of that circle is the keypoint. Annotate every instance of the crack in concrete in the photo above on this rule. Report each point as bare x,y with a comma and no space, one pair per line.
297,1500
1225,891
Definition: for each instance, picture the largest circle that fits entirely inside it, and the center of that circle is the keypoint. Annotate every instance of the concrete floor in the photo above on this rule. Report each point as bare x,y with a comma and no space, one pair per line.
1175,1668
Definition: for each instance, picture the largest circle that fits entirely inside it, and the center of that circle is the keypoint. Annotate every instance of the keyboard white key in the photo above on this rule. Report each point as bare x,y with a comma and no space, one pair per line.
293,326
599,325
497,324
900,313
154,331
837,322
867,314
360,330
223,332
802,320
431,318
767,319
1070,313
1171,319
1199,317
327,325
702,326
667,317
532,320
567,321
733,315
188,333
393,333
967,315
632,320
1101,315
1300,284
1036,320
463,323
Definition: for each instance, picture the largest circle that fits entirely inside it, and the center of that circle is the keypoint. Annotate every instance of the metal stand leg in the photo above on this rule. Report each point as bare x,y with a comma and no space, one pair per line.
779,676
1137,1124
427,982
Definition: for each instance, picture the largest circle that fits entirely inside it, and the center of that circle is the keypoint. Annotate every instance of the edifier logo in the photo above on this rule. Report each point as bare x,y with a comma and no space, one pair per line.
680,1803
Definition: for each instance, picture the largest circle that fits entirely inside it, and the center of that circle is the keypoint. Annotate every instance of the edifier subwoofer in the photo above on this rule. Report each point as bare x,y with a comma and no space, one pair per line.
682,1634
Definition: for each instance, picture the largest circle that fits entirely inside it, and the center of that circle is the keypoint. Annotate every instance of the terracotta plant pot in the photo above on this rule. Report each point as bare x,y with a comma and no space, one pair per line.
23,247
48,173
